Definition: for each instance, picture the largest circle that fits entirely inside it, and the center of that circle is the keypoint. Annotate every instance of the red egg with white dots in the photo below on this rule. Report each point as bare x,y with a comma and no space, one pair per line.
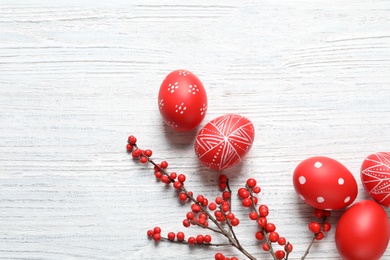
324,183
182,100
224,141
375,176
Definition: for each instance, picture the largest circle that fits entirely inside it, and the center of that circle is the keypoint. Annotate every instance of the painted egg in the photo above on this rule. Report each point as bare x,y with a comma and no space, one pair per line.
182,100
224,141
324,183
375,175
363,232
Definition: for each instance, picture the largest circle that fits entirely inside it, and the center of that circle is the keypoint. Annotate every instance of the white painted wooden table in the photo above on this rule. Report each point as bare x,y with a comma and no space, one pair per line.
77,78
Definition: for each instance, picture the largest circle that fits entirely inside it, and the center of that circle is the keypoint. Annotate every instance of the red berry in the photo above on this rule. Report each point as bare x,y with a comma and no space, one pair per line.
177,185
157,237
251,183
164,165
203,215
263,210
233,258
191,240
207,238
265,247
326,226
270,227
219,256
129,147
171,236
200,199
172,175
190,215
282,241
288,248
262,221
158,174
225,207
226,195
212,206
150,233
218,214
247,202
253,215
136,153
201,221
315,227
165,179
205,202
223,178
186,223
222,185
181,178
319,213
182,196
259,235
143,159
195,208
157,230
279,254
132,140
273,236
199,239
256,190
218,200
148,152
234,222
319,236
243,193
180,236
230,216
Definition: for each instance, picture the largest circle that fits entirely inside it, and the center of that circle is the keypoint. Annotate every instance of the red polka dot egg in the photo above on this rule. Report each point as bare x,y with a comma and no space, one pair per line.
224,141
182,100
324,183
375,175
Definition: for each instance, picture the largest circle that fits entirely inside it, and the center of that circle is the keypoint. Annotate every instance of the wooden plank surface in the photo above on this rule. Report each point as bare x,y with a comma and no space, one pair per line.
77,78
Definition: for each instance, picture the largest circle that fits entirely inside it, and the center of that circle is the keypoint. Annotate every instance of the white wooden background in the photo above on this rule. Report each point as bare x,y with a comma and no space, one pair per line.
77,78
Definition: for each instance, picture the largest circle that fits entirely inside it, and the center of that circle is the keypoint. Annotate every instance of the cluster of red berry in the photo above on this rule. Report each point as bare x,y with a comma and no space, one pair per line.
267,231
318,228
218,212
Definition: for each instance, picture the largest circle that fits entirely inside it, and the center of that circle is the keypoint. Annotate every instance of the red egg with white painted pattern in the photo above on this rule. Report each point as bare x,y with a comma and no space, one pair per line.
375,175
324,183
182,100
224,141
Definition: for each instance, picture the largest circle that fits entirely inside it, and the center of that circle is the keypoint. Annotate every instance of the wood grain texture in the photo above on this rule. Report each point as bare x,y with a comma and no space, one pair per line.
77,78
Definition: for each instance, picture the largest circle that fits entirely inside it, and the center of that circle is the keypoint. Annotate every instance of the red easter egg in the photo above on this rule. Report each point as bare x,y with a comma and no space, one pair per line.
324,183
224,141
363,232
375,175
182,100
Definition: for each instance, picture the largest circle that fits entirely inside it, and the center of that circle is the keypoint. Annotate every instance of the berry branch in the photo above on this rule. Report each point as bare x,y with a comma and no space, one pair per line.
219,212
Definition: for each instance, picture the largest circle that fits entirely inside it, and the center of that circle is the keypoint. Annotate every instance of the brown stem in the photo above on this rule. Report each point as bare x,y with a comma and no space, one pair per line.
308,248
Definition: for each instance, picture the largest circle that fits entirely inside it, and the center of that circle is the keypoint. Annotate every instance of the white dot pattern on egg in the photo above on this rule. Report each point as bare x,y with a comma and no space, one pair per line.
324,183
